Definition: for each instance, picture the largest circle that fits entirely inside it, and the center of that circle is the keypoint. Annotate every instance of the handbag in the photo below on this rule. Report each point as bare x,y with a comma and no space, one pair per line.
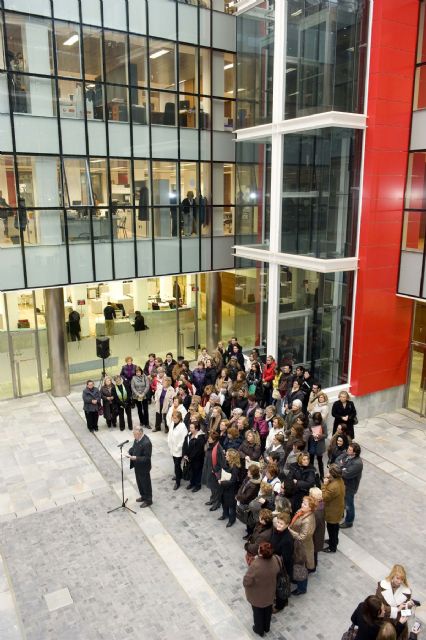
252,389
300,572
350,634
283,589
100,410
186,471
276,394
242,512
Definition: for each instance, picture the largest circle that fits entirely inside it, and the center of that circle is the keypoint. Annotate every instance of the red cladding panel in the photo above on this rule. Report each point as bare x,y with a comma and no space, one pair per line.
382,320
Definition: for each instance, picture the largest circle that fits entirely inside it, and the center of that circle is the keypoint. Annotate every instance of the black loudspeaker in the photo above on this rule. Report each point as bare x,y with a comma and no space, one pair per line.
102,348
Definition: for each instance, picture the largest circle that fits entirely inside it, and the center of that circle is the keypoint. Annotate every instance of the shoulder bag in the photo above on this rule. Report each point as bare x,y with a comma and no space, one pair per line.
283,589
351,633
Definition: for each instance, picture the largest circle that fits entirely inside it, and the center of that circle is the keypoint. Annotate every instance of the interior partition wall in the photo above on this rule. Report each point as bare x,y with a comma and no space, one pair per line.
110,115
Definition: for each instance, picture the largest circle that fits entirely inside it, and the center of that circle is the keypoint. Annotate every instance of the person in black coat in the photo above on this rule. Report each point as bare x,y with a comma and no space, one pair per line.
368,617
343,411
214,462
283,545
210,373
193,453
302,474
140,460
229,487
91,404
169,364
139,323
122,403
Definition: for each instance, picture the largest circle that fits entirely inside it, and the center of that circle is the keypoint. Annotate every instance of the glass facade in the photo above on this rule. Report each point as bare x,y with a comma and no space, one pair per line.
320,192
416,387
133,114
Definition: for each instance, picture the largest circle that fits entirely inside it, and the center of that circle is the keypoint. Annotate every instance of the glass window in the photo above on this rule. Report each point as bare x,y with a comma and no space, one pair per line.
255,47
142,197
68,49
421,50
77,185
138,61
29,44
413,233
253,192
415,197
115,57
92,47
188,69
163,108
314,322
223,114
7,197
188,111
95,100
98,179
117,103
139,98
420,88
39,181
205,71
33,95
223,183
71,103
320,182
205,113
162,60
121,180
223,66
165,218
325,57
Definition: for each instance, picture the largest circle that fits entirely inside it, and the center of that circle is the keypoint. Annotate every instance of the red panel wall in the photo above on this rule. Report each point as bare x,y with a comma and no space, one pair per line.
382,320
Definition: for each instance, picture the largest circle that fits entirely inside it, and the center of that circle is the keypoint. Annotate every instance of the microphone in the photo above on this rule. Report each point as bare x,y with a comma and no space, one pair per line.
123,443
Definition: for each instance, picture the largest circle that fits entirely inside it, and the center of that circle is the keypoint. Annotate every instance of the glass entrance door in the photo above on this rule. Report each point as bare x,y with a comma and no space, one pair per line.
416,390
24,357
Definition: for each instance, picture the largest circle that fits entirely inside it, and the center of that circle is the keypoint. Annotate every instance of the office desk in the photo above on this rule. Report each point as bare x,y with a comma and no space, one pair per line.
79,228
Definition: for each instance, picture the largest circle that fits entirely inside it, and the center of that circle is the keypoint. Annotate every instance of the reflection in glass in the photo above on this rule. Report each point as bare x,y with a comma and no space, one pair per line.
70,99
413,233
314,322
95,101
139,98
166,217
253,192
163,108
29,46
39,181
98,179
117,103
188,111
188,69
138,56
77,185
420,89
92,47
142,197
320,193
7,197
162,64
415,195
68,49
33,95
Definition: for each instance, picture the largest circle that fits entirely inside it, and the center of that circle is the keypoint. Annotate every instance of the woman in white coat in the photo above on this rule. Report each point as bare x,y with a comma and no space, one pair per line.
176,406
175,440
395,594
164,395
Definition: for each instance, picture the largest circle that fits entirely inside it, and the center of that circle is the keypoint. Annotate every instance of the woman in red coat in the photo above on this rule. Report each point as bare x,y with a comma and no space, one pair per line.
268,375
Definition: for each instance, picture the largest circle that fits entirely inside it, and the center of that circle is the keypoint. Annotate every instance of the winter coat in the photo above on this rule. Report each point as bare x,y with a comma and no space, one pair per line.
366,630
88,396
168,399
305,477
303,530
260,581
193,449
261,426
248,490
122,396
107,392
198,379
338,411
317,447
268,373
175,439
333,495
230,487
319,533
271,435
210,376
251,450
261,533
209,478
283,545
127,372
351,471
139,386
392,599
171,411
319,407
334,451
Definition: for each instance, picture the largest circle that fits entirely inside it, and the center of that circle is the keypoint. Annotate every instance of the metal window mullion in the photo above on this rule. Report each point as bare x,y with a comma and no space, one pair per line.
199,137
61,151
15,163
211,140
132,171
151,176
111,225
177,61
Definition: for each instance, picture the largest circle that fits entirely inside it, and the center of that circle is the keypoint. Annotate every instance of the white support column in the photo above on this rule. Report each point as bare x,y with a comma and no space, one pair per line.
280,47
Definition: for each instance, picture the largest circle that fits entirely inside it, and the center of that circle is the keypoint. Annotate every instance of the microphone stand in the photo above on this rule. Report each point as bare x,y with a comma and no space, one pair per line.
123,504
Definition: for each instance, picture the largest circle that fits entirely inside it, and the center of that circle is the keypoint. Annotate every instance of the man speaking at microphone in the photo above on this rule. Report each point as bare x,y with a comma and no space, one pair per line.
140,459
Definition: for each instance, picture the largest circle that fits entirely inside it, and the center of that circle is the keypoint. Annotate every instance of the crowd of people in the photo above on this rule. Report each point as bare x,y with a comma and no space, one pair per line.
256,435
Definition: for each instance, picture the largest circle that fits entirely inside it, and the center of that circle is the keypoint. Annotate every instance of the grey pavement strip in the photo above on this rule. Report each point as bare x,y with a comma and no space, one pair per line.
10,622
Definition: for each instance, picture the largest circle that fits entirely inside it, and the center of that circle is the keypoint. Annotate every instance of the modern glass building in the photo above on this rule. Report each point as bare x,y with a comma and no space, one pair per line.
220,166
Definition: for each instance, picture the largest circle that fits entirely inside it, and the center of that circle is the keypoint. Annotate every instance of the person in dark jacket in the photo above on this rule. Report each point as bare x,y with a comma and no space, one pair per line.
91,405
302,474
260,583
210,373
230,486
193,453
139,323
250,486
107,395
294,394
261,533
214,462
249,449
283,545
238,354
368,617
351,465
127,372
74,325
338,445
122,403
140,386
306,387
169,364
198,378
343,410
140,460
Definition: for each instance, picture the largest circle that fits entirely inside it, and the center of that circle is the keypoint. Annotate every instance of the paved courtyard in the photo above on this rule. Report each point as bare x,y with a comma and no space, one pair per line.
70,570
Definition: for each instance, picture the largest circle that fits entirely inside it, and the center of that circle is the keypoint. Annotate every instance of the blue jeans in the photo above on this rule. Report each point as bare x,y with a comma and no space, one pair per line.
230,512
302,585
350,508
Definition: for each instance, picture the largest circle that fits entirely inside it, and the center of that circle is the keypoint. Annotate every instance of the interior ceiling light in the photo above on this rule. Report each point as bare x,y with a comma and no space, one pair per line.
71,40
160,53
229,66
296,13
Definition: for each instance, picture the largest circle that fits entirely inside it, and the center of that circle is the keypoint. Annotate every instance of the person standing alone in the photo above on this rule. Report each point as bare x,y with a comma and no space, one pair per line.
140,460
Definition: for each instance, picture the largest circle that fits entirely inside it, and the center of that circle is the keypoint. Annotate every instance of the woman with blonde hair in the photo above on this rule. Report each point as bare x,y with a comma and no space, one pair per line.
343,410
320,404
230,486
395,594
302,529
